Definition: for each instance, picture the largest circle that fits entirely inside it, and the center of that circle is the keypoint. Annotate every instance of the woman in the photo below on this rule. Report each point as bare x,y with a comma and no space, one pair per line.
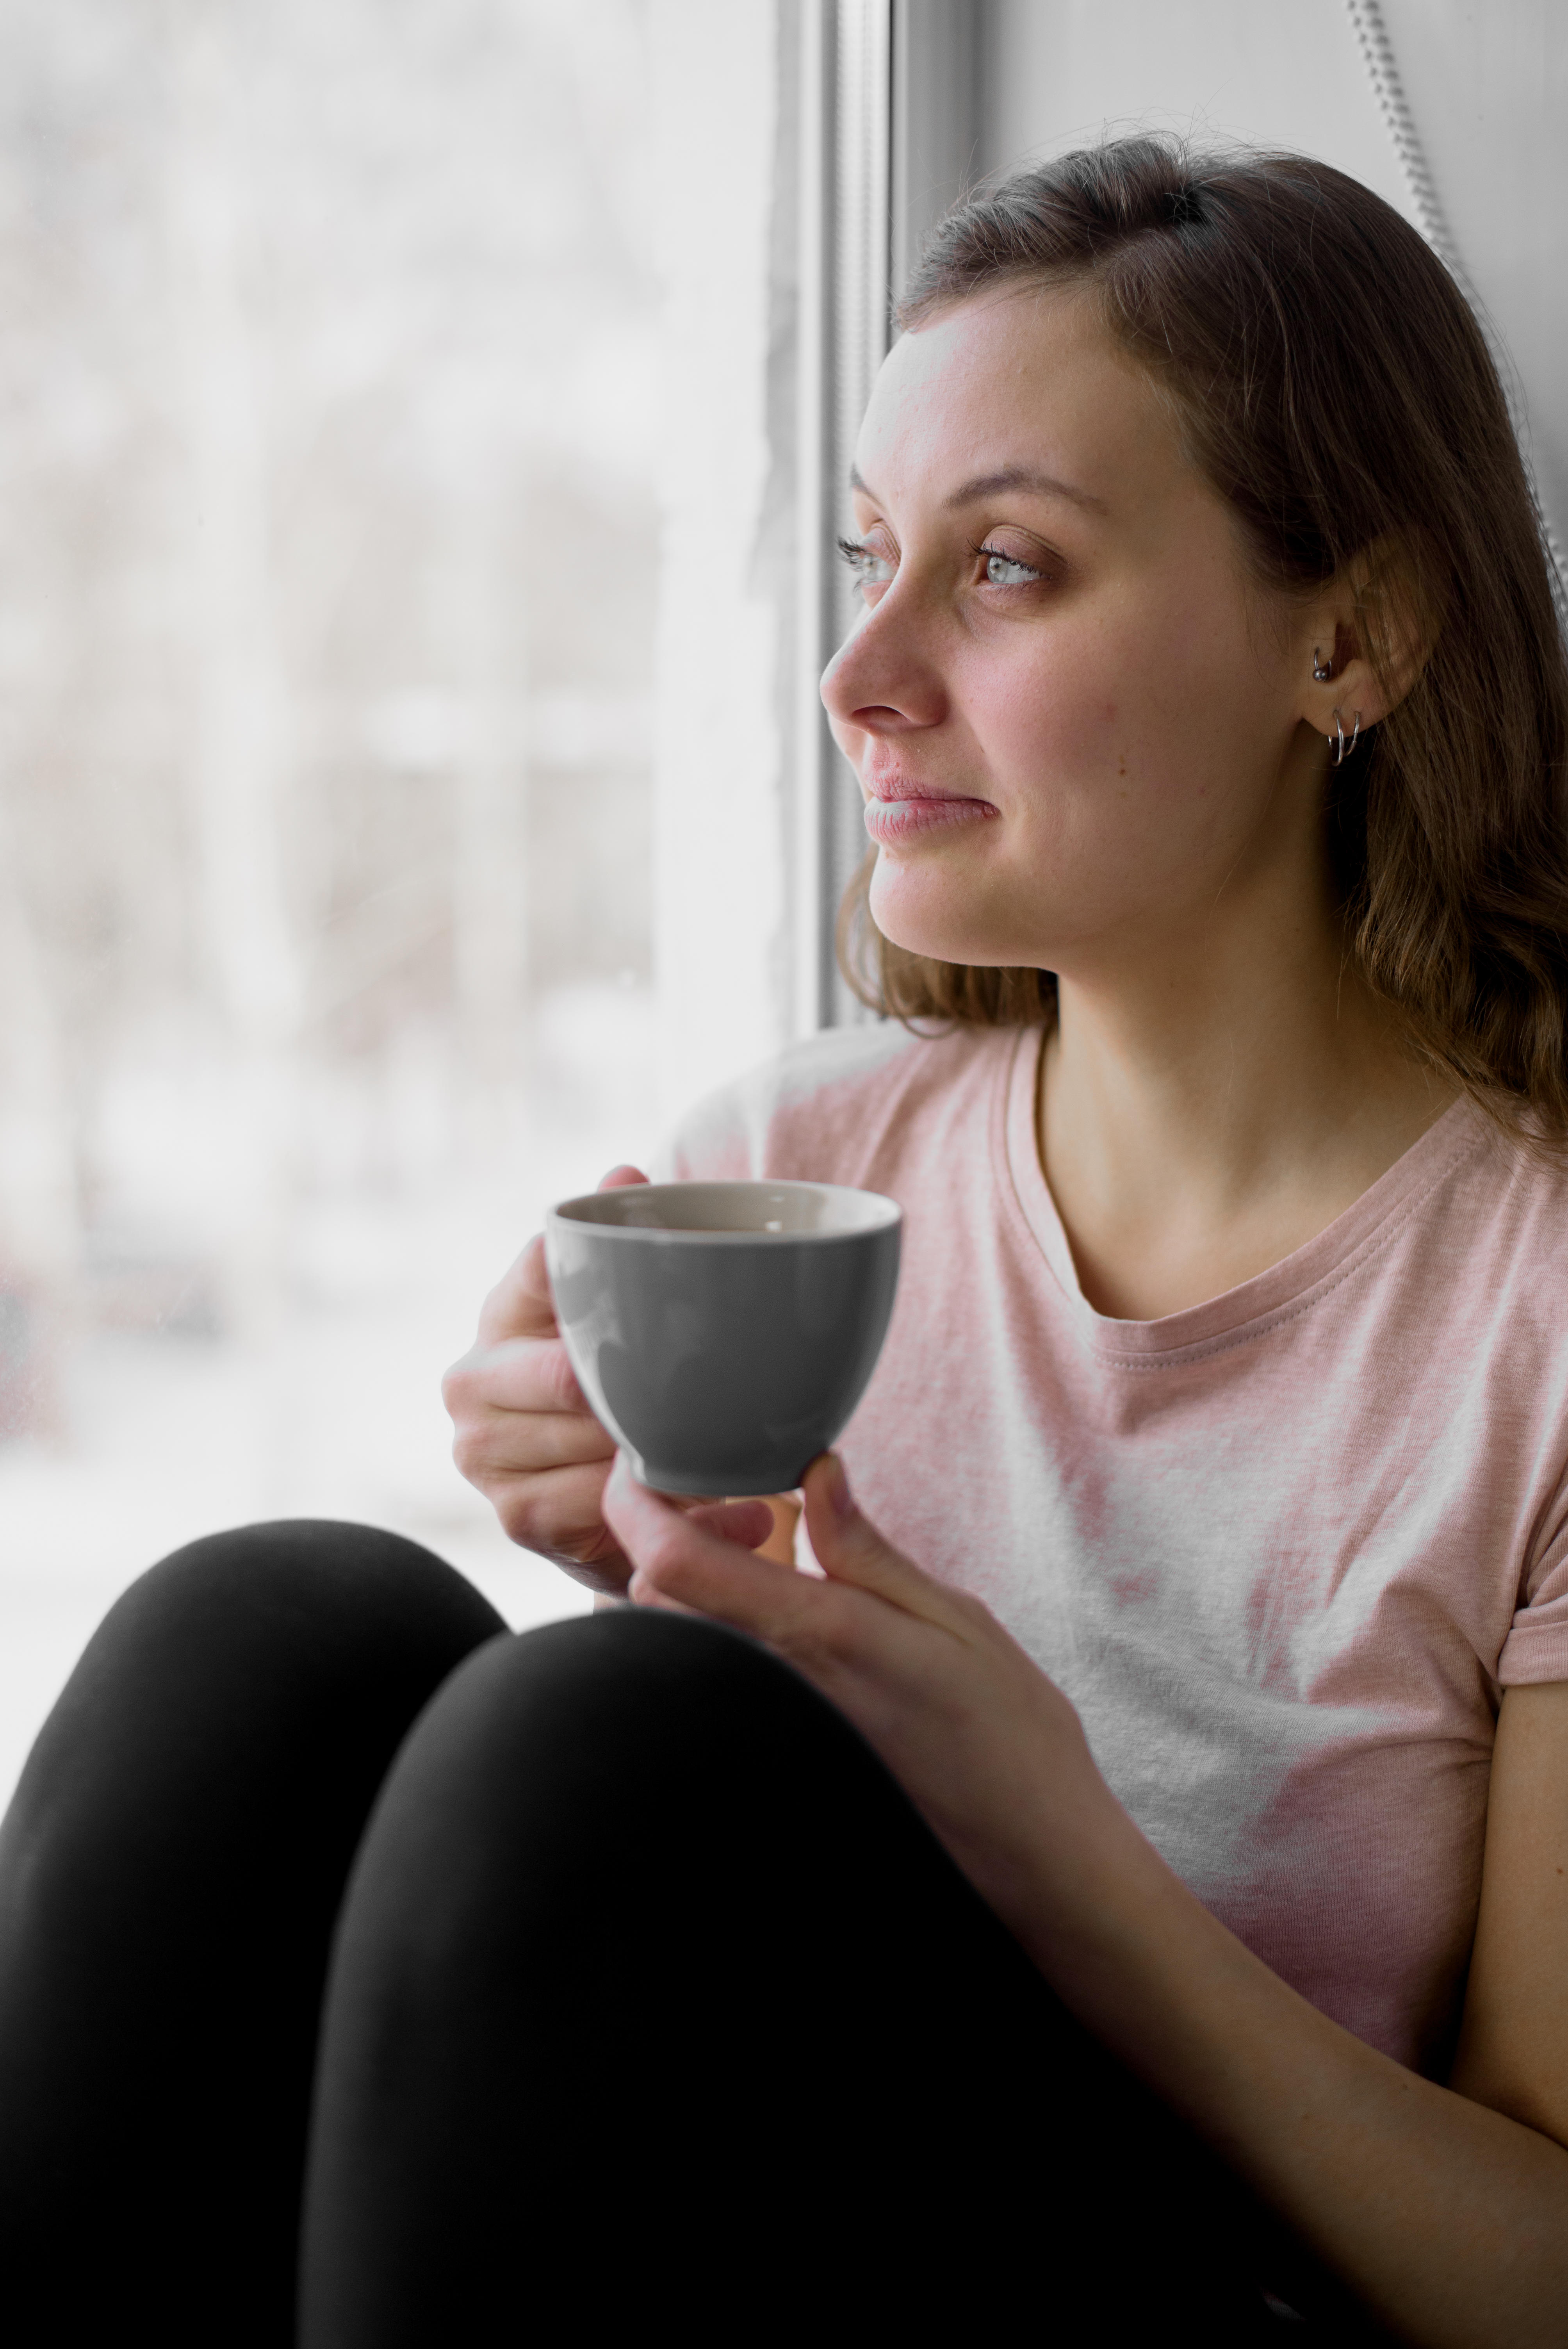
1124,1893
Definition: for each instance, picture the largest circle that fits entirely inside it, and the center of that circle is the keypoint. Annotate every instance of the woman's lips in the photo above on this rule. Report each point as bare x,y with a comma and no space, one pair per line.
890,820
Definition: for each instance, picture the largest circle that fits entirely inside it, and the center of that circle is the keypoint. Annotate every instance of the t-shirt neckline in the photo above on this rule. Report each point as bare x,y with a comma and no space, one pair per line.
1290,1287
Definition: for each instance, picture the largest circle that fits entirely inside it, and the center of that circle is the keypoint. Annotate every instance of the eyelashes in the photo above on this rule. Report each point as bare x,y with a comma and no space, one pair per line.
868,564
994,555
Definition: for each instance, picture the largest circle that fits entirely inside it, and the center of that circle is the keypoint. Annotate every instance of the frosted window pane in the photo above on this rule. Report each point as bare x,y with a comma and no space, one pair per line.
326,574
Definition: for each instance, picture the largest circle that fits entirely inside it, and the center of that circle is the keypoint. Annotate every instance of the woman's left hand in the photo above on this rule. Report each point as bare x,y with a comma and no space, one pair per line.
984,1745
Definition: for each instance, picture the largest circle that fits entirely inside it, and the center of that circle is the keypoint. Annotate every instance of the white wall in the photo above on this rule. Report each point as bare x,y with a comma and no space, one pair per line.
1487,88
720,973
1059,73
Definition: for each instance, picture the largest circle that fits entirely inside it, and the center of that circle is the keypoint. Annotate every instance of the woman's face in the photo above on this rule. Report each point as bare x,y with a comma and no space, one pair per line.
1074,720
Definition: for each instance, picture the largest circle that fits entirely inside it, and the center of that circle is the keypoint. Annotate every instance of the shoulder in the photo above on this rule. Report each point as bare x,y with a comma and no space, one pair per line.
818,1109
1508,1203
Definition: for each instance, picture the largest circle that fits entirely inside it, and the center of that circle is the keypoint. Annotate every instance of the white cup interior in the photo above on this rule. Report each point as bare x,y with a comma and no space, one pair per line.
748,1210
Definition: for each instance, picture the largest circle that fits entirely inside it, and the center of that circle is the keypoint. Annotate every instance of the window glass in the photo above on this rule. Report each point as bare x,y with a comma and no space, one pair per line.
326,585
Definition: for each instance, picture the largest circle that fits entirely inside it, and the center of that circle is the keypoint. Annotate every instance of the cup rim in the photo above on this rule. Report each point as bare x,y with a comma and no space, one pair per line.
889,1217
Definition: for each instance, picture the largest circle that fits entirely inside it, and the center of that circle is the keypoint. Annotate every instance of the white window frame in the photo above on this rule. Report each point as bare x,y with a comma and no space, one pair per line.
885,98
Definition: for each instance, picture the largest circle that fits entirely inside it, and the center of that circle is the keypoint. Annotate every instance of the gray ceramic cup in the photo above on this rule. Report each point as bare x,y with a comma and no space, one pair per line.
724,1331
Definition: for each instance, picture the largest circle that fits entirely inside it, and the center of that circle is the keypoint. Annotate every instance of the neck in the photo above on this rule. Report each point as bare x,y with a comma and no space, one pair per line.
1207,1111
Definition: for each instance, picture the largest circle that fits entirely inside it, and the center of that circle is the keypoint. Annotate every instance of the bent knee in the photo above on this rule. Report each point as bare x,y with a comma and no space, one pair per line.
320,1567
625,1715
247,1649
245,1596
573,1799
628,1679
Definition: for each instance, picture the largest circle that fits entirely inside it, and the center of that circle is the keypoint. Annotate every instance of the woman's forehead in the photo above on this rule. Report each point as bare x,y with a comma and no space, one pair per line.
1026,380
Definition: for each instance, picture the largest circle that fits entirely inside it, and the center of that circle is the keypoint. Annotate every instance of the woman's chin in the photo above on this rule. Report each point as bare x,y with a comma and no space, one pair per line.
914,918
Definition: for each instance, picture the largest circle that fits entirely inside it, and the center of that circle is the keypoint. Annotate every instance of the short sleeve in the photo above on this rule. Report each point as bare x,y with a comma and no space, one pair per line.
1536,1648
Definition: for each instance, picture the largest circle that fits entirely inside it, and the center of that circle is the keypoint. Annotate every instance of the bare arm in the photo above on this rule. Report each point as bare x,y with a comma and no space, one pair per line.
1445,2207
1513,2049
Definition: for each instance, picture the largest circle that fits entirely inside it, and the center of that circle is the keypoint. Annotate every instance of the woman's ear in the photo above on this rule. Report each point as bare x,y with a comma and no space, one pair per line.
1399,611
1373,628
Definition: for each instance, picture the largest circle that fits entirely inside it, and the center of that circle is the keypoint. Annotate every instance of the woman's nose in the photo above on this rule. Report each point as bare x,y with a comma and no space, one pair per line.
878,681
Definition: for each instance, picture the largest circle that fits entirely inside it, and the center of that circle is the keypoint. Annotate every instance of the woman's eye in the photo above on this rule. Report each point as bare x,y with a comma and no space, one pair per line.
870,566
1006,571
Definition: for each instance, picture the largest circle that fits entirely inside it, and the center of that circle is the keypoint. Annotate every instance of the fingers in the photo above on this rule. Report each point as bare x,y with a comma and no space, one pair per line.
520,1305
749,1522
495,1394
521,1375
695,1566
523,1430
489,1447
684,1561
745,1525
785,1511
559,1513
849,1548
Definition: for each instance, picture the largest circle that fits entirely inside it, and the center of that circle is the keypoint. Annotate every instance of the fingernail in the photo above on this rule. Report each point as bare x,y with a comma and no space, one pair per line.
839,1494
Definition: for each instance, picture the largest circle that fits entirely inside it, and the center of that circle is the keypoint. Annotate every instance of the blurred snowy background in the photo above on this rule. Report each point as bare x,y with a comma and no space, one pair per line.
328,544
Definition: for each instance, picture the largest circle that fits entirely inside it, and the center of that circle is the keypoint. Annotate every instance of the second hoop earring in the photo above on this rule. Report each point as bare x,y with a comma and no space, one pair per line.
1347,743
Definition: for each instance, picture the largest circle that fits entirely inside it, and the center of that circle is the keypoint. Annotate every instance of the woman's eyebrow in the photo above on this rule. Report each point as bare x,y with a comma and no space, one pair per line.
990,485
1023,477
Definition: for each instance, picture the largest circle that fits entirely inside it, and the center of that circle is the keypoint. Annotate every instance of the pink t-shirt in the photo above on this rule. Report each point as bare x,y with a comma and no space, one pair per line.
1283,1551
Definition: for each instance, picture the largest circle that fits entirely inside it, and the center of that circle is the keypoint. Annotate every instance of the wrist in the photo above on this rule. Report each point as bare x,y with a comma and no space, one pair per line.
1096,1907
1062,1863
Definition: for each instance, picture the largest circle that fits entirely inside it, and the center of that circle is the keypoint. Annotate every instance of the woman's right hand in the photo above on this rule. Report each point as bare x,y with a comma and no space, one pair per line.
524,1433
526,1437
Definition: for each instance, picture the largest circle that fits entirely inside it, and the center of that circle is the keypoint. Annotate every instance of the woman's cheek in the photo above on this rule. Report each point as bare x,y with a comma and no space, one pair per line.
1051,724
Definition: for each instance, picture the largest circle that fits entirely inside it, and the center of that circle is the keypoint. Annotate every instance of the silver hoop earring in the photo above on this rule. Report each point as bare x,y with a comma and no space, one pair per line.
1321,673
1344,747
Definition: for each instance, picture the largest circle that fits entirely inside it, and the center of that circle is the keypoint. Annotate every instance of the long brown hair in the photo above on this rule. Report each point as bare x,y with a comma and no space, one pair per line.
1335,387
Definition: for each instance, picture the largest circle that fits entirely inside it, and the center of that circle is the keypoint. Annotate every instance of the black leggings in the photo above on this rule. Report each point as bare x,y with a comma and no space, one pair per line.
644,1999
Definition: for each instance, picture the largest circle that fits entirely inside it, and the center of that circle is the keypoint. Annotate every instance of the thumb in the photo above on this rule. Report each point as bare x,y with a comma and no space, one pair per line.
849,1548
619,1177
